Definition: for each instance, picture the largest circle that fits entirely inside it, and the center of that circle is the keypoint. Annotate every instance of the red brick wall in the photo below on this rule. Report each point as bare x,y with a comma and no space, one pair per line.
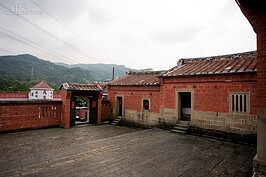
210,93
133,96
16,115
255,12
106,110
261,65
65,96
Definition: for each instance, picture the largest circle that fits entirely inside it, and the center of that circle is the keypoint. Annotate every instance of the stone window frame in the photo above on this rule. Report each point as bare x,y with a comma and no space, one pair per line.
235,106
142,104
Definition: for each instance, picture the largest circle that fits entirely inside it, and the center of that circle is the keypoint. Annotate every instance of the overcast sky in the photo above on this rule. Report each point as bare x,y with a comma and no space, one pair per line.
136,33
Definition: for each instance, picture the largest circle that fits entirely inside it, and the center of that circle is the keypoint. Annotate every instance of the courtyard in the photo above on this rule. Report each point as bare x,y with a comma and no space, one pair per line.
105,150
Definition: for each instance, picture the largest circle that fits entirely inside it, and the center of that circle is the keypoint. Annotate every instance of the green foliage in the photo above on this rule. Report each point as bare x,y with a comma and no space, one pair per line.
15,86
81,102
6,85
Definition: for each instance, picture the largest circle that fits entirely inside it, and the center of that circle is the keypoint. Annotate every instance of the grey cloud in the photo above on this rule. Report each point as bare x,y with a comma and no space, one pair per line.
99,14
64,10
178,34
99,17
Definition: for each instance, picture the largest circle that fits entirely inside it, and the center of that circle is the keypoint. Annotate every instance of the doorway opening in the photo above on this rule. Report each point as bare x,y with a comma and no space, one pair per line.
81,112
119,106
84,110
185,106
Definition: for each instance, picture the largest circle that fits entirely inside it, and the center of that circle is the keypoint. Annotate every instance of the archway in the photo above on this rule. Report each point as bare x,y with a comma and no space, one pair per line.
70,93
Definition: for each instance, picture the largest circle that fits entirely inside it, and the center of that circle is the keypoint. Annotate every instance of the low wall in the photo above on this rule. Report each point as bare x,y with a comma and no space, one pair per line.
15,115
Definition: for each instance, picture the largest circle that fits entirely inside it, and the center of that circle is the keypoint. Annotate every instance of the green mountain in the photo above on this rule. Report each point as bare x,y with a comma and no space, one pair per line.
101,72
19,72
28,68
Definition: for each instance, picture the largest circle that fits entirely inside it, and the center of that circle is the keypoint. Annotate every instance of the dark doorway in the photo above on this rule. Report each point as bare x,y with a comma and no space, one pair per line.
185,100
93,111
72,111
119,106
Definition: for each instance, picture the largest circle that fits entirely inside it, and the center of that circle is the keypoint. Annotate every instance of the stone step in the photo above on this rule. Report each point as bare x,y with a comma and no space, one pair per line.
181,127
180,122
116,121
178,131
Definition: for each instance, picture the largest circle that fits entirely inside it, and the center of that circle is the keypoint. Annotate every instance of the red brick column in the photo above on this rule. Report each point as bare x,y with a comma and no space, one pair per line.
65,96
255,11
99,117
260,161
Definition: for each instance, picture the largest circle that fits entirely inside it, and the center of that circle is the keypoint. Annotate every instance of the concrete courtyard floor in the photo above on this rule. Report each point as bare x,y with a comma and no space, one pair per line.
105,150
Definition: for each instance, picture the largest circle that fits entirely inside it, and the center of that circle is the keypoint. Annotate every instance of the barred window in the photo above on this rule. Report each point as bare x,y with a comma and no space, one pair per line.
240,102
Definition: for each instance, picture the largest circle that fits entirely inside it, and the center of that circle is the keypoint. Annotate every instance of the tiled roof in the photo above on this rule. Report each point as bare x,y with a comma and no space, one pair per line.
138,78
14,95
81,87
234,63
41,85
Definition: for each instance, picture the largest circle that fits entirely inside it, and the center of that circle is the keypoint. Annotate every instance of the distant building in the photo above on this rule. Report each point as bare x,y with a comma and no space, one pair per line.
41,91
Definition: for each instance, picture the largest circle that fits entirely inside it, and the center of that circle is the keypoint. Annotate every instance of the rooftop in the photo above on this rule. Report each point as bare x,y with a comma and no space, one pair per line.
233,63
138,78
81,87
42,85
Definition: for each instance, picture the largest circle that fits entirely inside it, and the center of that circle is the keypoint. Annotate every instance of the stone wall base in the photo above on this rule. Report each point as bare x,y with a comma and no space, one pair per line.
259,167
246,139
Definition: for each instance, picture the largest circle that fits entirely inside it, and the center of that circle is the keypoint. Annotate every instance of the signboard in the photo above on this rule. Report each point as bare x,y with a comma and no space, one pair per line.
94,104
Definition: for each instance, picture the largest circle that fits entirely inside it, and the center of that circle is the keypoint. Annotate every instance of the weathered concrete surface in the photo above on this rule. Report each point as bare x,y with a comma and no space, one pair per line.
118,151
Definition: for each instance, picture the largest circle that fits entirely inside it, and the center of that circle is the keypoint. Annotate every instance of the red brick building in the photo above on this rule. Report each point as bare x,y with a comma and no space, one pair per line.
216,93
136,97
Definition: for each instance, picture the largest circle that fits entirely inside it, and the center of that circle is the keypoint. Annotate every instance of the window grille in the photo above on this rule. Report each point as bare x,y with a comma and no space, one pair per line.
240,102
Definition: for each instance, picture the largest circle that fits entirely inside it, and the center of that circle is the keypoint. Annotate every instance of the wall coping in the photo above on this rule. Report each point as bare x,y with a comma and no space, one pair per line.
27,101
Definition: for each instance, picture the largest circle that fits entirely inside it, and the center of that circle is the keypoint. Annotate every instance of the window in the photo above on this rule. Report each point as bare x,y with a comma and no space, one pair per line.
240,102
146,104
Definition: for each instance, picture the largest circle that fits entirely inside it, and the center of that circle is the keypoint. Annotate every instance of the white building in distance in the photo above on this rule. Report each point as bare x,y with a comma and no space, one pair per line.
41,91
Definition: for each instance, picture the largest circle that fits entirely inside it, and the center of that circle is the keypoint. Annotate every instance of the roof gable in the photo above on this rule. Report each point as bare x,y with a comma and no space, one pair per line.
234,63
41,85
138,78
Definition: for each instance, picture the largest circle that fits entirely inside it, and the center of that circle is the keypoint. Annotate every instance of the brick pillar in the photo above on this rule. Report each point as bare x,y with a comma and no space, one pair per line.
65,119
255,12
99,114
260,160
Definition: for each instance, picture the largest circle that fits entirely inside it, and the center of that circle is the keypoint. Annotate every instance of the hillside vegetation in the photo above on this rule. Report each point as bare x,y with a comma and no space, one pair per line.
19,72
